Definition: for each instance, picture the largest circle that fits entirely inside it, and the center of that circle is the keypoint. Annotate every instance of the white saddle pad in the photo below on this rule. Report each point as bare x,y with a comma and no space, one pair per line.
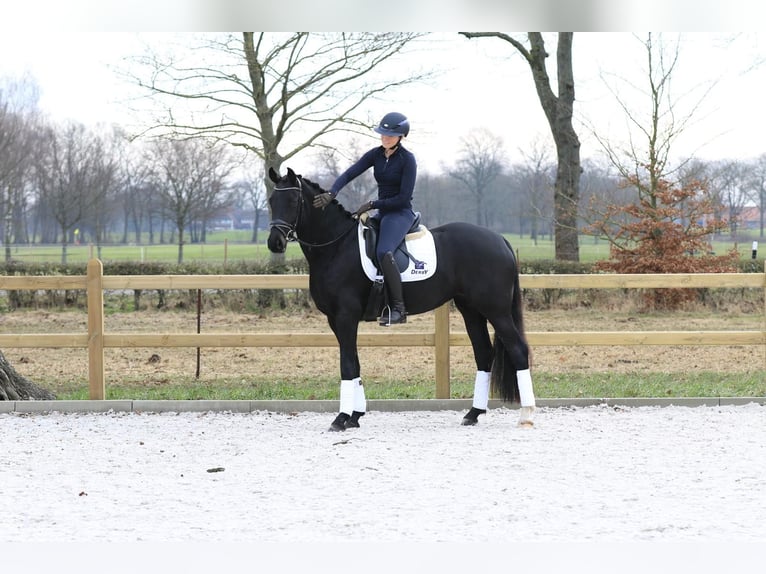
421,246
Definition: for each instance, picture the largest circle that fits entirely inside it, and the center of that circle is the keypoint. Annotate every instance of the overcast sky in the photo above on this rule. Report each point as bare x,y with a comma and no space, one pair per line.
486,84
395,15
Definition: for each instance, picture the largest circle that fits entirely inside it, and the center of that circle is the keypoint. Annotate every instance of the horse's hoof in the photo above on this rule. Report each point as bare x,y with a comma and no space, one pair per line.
525,419
339,424
353,422
472,416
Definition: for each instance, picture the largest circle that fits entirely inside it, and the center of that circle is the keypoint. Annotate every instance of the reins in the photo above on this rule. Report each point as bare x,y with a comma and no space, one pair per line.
288,229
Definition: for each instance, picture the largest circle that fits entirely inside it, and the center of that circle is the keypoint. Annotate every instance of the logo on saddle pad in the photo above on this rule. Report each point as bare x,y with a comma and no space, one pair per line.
418,251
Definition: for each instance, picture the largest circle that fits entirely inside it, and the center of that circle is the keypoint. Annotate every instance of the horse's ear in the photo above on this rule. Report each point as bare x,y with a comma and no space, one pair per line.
291,175
273,175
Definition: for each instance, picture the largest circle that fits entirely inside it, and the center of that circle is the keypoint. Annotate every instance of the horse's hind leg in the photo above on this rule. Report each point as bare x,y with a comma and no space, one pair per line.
513,345
524,380
476,327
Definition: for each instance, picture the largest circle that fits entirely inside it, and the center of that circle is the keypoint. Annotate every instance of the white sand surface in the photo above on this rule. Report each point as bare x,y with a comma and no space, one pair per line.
599,474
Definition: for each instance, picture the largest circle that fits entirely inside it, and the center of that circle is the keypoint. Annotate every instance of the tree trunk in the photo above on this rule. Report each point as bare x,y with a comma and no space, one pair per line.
14,387
558,109
566,199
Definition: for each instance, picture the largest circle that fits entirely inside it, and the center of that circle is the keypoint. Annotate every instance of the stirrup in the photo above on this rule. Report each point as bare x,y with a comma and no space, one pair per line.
385,317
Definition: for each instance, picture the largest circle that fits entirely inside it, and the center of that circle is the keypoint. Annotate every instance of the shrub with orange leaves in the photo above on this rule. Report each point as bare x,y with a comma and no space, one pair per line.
668,230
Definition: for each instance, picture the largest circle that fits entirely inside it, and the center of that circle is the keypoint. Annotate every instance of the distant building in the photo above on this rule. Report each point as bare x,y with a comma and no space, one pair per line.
749,218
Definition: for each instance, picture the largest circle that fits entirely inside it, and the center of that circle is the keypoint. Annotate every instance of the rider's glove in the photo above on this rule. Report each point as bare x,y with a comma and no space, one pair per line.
322,200
364,208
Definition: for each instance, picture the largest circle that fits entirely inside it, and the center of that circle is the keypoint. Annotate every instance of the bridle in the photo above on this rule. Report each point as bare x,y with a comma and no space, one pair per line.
287,229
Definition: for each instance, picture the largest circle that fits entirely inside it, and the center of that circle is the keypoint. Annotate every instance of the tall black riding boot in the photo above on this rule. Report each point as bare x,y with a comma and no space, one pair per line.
395,313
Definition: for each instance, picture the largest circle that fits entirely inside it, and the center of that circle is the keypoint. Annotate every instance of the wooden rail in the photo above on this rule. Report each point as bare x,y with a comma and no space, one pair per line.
96,340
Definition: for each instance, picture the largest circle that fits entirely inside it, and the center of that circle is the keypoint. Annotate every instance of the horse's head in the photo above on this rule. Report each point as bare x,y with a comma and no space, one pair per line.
293,211
286,204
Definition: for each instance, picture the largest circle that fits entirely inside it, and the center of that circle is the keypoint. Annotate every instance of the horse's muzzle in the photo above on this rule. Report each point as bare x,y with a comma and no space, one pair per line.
277,242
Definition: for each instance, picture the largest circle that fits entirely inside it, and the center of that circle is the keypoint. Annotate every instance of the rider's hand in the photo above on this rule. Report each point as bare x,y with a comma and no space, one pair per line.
322,200
364,208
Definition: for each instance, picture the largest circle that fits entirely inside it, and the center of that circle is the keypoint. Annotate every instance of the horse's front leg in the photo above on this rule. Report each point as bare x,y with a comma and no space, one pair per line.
353,403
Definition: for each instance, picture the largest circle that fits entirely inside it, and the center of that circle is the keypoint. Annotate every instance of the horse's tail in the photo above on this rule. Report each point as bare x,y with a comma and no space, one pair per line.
503,376
516,302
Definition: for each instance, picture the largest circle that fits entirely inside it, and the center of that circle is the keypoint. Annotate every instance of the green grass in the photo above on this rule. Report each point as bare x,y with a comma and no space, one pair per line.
239,248
617,385
592,249
547,385
210,252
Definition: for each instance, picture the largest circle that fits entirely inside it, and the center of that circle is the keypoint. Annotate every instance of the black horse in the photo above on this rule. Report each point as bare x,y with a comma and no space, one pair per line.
476,268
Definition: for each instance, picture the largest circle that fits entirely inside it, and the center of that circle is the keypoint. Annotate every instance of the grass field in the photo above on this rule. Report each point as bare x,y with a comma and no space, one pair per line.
236,246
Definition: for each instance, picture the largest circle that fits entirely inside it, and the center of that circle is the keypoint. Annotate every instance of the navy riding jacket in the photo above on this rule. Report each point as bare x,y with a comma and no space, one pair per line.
395,177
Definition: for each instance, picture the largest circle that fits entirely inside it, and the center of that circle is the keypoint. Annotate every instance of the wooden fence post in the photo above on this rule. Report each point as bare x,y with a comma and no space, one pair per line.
95,295
441,351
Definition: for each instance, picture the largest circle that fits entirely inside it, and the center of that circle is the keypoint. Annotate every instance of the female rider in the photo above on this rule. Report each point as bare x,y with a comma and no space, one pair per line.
395,169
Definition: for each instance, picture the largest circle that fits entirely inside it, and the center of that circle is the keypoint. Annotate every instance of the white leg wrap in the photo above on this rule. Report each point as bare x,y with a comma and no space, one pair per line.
526,394
360,401
481,390
347,397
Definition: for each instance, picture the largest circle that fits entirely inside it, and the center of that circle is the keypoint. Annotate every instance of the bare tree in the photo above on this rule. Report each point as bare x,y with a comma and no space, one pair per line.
18,104
479,162
439,199
72,176
558,108
644,163
729,180
251,191
599,187
669,225
216,199
653,130
536,181
757,186
104,185
273,94
136,196
18,118
331,165
192,177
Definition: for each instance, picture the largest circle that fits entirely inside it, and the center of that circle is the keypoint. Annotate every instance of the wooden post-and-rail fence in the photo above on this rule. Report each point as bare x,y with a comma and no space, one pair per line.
441,339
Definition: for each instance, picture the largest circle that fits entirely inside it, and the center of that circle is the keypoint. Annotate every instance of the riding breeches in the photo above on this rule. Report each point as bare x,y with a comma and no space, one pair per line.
394,225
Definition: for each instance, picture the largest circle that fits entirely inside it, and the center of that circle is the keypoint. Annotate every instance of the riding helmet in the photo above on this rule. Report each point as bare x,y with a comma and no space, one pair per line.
393,124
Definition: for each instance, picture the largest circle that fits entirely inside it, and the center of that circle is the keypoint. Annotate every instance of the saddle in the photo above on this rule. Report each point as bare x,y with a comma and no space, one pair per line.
415,257
402,256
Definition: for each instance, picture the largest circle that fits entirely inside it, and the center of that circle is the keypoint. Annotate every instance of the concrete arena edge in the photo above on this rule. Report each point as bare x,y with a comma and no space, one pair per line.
331,406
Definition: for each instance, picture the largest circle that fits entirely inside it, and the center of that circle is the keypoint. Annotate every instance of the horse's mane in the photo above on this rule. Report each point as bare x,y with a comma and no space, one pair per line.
316,189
